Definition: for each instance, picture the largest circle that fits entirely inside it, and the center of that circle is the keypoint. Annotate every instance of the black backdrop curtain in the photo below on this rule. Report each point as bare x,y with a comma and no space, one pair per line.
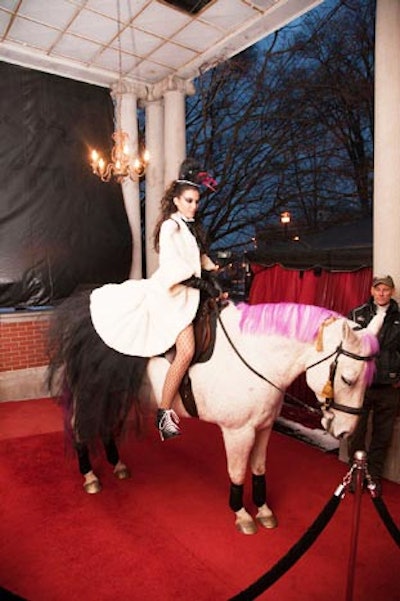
60,226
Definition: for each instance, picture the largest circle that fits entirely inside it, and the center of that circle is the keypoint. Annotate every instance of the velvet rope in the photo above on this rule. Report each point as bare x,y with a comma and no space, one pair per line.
386,519
292,556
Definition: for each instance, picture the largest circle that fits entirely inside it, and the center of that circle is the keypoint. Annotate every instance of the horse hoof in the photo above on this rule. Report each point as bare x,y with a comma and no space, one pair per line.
92,487
267,521
246,527
122,473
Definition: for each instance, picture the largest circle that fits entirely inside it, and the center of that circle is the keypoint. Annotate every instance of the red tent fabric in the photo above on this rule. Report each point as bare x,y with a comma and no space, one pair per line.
337,290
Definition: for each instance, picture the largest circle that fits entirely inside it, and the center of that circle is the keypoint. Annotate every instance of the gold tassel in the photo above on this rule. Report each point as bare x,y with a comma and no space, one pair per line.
327,390
318,342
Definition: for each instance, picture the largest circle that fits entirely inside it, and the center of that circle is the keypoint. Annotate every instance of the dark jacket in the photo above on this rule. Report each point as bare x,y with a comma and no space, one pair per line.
388,359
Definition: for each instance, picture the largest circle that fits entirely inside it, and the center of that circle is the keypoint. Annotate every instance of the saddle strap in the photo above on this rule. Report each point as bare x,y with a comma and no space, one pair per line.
188,400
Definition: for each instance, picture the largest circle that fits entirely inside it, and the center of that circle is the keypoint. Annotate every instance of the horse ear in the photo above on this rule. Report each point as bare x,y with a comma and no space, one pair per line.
348,333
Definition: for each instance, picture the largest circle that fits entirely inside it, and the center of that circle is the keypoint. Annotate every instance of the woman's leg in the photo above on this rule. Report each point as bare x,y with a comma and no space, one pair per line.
167,419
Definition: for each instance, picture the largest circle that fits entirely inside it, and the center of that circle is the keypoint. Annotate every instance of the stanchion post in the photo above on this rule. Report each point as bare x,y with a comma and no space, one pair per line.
359,464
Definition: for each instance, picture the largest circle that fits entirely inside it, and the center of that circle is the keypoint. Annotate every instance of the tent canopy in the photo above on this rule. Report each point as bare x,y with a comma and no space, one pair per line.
344,247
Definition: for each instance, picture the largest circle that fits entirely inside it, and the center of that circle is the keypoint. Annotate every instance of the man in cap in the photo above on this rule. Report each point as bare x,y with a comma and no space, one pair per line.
381,315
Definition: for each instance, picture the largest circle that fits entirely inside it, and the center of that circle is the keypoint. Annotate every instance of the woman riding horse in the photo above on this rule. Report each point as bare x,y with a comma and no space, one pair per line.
145,318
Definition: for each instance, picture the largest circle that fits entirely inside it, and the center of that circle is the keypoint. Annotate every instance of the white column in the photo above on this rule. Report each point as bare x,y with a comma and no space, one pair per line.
387,141
154,175
126,120
175,125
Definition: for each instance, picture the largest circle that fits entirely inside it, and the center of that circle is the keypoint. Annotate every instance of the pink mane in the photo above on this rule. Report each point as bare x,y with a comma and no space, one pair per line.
300,322
291,320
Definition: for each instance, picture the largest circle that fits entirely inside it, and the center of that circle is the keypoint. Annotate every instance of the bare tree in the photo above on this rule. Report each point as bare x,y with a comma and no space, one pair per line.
287,125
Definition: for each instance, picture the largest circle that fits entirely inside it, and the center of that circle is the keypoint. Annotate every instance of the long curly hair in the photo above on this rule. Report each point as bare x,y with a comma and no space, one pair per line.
190,177
176,188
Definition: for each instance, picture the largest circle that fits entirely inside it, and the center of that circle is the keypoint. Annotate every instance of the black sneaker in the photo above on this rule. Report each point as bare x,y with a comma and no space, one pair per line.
167,423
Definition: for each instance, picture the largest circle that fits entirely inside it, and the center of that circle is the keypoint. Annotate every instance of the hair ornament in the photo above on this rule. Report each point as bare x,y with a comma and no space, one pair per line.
206,180
191,173
188,182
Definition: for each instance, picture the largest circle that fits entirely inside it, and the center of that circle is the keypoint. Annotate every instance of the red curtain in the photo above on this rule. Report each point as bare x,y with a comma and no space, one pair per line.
336,290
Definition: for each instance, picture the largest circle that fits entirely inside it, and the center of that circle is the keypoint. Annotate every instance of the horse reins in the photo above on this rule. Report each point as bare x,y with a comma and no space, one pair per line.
257,373
329,401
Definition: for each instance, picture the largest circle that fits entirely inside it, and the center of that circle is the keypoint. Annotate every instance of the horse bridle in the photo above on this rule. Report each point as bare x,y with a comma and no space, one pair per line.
329,401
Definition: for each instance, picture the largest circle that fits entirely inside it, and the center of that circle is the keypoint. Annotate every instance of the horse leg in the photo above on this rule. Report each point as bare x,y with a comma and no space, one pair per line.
91,482
238,445
265,516
120,469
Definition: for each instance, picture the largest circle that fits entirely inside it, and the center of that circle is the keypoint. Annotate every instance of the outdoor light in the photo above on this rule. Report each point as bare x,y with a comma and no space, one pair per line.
125,163
285,220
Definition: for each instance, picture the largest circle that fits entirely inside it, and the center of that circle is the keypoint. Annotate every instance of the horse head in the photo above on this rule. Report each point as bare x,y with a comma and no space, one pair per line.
340,372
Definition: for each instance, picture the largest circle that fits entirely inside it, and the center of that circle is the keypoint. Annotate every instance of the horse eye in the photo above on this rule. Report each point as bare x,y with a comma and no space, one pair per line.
346,381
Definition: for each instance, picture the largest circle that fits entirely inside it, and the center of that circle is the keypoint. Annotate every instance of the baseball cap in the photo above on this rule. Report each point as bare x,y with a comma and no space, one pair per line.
385,279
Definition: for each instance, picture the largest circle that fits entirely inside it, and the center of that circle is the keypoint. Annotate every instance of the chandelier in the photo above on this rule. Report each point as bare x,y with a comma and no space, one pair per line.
125,163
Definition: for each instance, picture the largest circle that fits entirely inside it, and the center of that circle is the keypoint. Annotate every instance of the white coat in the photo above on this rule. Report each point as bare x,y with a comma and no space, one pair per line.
144,317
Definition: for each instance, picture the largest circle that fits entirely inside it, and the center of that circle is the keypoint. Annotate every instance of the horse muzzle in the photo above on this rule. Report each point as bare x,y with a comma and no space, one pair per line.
338,425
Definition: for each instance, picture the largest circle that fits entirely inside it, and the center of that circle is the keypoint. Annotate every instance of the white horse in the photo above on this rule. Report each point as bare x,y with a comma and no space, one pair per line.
259,351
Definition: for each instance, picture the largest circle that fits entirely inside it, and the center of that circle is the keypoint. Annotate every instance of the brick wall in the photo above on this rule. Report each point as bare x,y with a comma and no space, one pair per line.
23,340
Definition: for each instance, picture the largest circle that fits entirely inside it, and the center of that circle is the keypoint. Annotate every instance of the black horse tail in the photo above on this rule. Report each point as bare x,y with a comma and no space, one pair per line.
96,386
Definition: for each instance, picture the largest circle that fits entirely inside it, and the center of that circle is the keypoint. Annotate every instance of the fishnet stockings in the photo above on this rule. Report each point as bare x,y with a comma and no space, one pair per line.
185,346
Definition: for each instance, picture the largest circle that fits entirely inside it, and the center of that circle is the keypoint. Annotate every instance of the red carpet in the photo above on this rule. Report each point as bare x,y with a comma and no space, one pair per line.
167,533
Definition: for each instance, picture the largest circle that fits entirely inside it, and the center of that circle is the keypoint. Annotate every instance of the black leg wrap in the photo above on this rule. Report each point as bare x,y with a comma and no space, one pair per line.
83,458
259,490
236,497
111,451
